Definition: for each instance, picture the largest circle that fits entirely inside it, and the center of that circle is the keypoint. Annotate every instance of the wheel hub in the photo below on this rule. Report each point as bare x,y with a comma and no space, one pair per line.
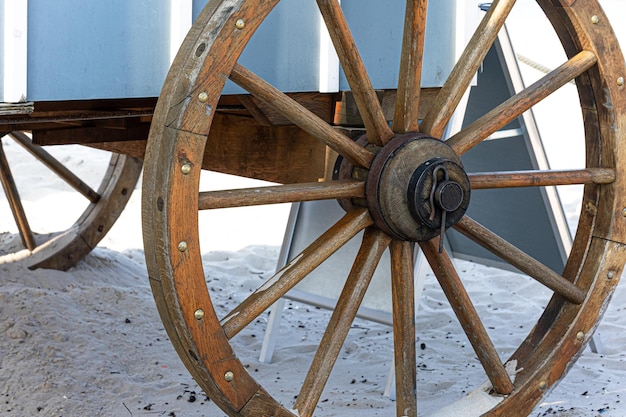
416,187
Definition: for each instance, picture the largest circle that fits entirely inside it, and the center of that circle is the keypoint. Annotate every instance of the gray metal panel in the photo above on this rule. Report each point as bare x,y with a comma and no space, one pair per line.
97,49
198,5
285,50
377,27
523,216
311,220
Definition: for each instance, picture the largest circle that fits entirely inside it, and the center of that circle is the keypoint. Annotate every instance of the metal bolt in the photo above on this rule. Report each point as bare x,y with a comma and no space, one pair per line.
610,275
185,169
200,49
229,376
595,19
199,314
580,336
182,246
620,81
624,212
543,385
203,97
240,24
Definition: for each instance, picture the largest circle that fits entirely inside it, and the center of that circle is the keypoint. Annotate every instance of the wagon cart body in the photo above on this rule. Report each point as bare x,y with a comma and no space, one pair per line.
348,101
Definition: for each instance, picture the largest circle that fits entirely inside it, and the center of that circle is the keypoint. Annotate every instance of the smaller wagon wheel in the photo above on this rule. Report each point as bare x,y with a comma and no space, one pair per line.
391,182
104,203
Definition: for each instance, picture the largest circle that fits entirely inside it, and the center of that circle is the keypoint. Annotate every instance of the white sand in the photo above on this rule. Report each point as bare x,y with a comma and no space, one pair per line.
89,342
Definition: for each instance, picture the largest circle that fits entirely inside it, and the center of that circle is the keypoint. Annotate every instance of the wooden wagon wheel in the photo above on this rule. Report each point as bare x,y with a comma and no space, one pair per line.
386,185
62,249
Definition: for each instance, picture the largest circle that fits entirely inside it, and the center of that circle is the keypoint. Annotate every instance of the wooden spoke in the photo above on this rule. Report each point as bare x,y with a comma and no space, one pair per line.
409,86
520,260
521,102
292,273
378,131
55,166
301,116
468,317
290,193
10,189
509,179
403,295
374,244
462,74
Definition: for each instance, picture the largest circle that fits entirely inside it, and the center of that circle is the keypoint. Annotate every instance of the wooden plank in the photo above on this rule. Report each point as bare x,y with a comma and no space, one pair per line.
9,109
284,154
91,134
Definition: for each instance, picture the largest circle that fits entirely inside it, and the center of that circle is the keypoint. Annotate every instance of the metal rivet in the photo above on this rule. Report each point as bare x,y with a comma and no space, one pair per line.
580,336
595,19
199,314
229,376
624,212
620,81
240,24
543,385
203,97
610,275
185,169
182,246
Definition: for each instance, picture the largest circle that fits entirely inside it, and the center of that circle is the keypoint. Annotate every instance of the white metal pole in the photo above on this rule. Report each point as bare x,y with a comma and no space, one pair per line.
14,61
181,19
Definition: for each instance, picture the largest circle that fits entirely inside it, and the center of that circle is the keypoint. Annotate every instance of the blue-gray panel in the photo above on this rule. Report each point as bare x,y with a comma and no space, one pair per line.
519,215
285,50
377,28
97,49
198,5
